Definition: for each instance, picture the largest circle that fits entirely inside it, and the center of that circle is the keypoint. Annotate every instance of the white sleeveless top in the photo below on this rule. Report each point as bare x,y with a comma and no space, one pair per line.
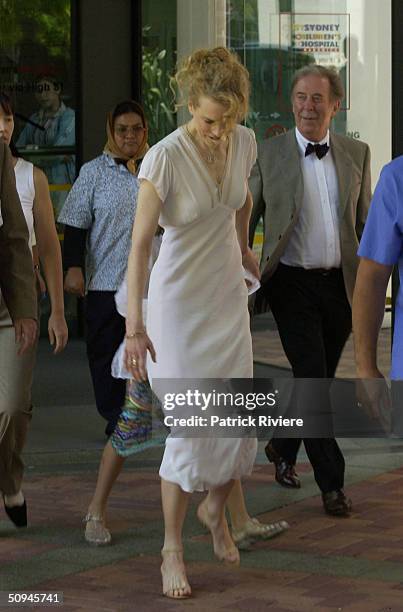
24,177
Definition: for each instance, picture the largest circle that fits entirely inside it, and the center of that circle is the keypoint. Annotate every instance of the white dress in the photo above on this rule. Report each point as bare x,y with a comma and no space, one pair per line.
198,315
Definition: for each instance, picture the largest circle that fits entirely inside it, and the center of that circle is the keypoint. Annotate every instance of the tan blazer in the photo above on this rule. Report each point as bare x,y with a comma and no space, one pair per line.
276,185
17,282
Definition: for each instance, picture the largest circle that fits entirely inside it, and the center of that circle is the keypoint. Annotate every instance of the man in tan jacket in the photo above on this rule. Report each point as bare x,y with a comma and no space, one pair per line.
313,189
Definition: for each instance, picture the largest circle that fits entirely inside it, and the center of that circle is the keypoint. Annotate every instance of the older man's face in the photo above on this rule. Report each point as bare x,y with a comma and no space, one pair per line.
313,107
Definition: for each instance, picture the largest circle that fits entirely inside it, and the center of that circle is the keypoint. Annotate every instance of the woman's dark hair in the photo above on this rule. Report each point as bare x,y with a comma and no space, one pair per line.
7,107
128,106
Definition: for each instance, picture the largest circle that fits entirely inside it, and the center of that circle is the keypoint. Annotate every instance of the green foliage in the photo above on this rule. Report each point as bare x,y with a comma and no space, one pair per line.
252,119
158,97
45,22
242,22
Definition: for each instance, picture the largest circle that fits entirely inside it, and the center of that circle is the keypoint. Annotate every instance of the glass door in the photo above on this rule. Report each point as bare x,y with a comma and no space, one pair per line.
276,37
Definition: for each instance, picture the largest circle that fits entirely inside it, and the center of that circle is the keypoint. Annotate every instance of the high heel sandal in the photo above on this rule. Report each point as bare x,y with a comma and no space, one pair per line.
175,583
95,531
254,530
230,556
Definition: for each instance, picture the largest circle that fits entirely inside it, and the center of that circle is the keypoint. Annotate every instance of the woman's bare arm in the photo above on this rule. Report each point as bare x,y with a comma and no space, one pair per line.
145,226
51,259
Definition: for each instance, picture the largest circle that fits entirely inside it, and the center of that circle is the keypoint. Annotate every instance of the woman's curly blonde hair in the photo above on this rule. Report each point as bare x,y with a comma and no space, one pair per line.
218,74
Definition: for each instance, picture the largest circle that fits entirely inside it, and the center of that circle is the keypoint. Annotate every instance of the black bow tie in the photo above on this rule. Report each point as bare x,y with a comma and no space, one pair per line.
319,149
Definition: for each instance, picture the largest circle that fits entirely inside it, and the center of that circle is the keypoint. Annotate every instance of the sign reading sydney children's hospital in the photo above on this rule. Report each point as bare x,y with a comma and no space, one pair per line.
324,36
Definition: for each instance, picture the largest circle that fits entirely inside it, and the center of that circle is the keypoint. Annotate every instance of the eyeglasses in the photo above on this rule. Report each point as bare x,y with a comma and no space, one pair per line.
122,130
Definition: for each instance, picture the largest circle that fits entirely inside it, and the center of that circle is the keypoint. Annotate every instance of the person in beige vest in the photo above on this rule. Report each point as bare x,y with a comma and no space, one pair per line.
17,369
17,281
17,288
312,187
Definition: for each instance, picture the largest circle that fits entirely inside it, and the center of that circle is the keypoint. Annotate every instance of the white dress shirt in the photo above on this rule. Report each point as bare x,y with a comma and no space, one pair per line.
315,241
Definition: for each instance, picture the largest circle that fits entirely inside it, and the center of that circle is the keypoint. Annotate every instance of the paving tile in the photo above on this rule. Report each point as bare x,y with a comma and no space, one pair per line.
267,349
14,549
321,563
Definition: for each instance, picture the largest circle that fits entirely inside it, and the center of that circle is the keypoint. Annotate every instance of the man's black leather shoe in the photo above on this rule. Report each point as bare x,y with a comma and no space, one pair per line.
336,503
286,475
17,514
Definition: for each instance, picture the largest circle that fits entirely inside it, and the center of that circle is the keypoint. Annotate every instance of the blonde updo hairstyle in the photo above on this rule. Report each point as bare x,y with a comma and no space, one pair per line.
217,74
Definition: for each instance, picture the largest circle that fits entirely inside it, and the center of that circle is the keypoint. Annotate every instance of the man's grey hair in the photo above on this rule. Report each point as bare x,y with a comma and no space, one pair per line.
331,74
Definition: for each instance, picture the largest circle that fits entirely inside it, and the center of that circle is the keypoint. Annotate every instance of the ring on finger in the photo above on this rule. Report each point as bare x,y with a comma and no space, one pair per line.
134,362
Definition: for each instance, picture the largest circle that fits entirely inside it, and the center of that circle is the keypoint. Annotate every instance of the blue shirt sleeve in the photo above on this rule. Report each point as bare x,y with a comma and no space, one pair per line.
382,238
78,207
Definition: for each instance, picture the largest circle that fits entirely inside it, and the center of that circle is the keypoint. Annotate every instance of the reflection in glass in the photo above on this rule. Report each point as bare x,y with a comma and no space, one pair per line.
52,125
159,46
36,72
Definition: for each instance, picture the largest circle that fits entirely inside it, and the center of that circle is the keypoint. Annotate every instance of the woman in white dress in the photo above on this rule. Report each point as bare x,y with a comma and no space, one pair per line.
194,184
16,370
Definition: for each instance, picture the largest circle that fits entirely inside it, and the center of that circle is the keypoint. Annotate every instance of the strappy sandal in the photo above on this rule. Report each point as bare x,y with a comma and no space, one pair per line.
254,530
175,586
95,531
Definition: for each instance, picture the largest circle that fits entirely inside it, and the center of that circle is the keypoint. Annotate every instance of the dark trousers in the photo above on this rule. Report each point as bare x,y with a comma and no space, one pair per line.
105,332
313,317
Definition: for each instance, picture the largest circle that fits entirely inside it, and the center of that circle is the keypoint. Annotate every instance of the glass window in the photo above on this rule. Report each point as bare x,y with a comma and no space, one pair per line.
158,64
37,73
276,37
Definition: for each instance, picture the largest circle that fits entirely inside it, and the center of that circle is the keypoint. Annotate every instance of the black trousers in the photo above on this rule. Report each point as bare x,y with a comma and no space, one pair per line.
313,317
105,332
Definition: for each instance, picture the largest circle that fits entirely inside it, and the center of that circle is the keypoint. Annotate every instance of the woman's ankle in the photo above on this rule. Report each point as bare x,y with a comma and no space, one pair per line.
215,512
14,499
172,545
96,510
238,522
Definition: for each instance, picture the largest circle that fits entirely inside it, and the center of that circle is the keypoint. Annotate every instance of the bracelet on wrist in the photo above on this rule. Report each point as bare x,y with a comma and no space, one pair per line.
136,332
37,267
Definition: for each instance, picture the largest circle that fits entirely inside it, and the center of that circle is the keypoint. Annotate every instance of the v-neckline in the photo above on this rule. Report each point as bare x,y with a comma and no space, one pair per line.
217,186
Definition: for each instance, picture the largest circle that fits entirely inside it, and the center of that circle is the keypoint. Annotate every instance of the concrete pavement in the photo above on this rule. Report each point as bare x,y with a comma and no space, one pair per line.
321,564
